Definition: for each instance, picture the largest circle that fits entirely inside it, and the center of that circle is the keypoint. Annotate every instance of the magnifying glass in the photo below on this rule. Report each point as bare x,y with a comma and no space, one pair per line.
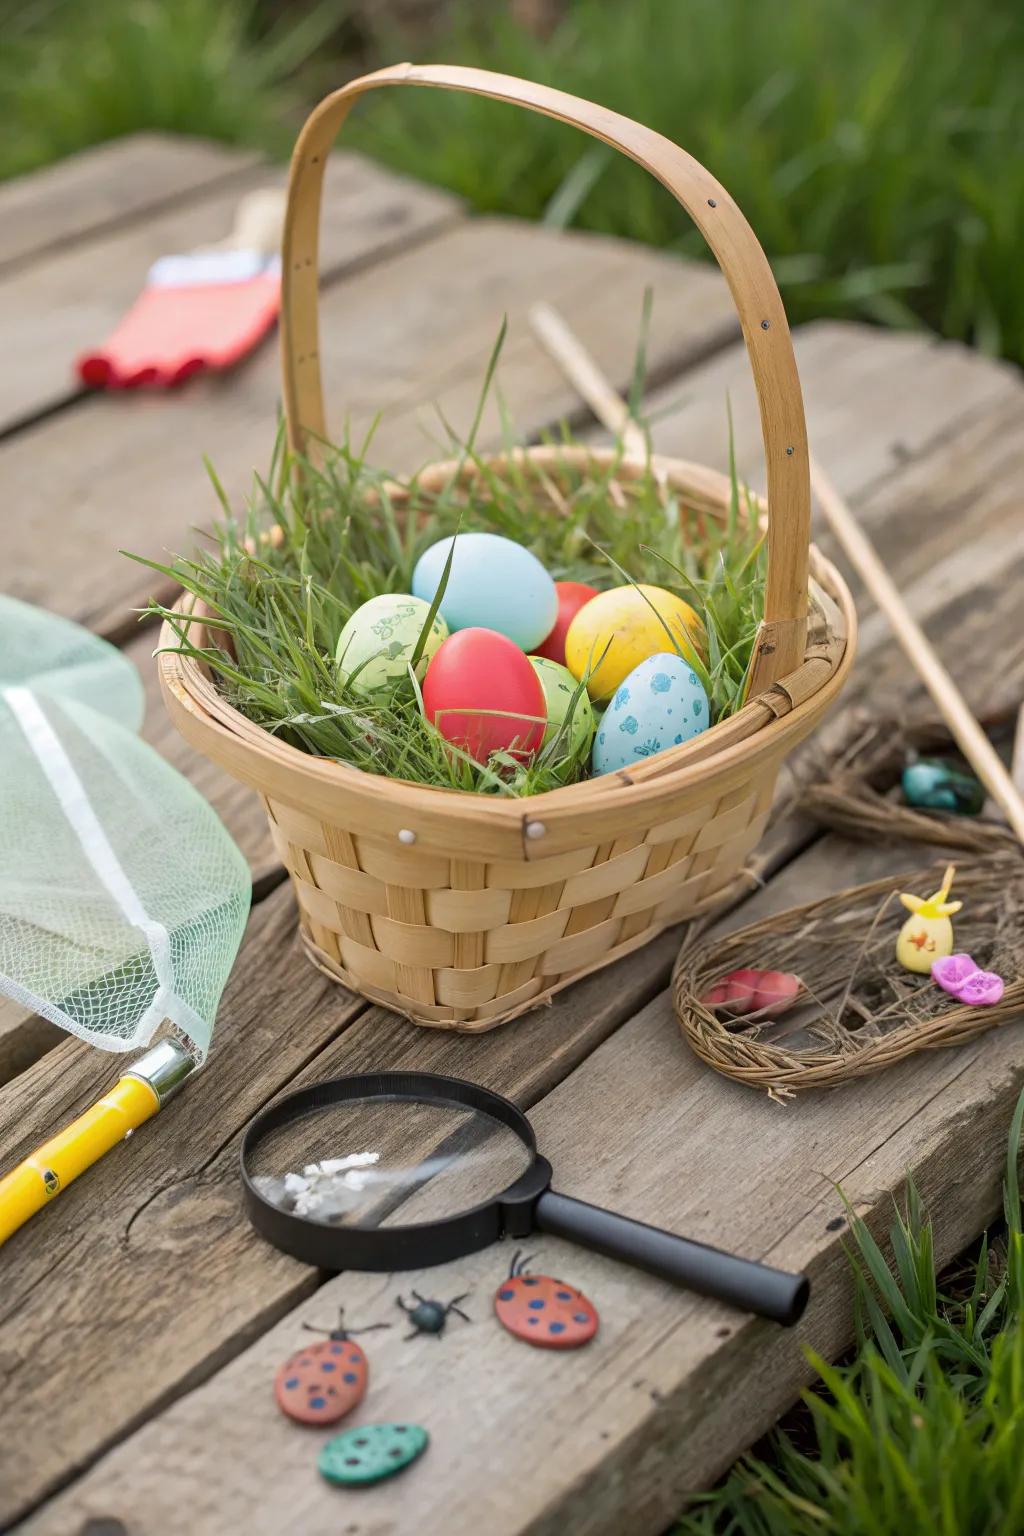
401,1170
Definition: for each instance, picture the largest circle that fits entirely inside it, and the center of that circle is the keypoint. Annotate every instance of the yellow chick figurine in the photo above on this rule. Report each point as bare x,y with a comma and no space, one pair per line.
928,934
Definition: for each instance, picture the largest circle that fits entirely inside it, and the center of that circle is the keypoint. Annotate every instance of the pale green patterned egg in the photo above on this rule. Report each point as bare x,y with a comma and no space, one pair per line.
559,687
379,641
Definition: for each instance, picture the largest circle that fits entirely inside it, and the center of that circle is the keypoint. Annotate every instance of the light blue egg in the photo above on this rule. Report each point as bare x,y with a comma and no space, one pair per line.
494,583
660,704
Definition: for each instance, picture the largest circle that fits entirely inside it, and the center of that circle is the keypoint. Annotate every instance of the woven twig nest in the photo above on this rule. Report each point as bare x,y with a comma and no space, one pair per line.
858,1010
855,791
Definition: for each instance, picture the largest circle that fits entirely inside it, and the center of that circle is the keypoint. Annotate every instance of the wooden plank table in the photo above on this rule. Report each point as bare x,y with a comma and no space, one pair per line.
140,1318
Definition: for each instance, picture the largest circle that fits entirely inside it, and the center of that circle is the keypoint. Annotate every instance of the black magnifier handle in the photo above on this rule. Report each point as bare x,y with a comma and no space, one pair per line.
752,1287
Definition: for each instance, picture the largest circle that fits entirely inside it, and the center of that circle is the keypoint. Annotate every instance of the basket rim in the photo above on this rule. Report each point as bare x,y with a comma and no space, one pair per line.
252,753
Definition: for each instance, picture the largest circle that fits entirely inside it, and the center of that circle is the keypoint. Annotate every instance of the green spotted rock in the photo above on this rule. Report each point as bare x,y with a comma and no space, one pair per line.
371,1452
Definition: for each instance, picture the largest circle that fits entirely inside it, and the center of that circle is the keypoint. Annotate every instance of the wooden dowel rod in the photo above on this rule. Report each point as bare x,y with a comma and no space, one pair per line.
1017,759
966,731
582,372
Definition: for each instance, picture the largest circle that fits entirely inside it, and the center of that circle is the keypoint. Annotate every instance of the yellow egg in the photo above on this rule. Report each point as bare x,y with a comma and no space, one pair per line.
617,630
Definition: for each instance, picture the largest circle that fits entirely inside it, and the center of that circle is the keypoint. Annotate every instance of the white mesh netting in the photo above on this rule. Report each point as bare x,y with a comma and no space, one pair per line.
122,898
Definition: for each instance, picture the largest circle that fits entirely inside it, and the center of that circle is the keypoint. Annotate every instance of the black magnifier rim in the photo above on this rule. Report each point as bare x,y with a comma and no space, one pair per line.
380,1249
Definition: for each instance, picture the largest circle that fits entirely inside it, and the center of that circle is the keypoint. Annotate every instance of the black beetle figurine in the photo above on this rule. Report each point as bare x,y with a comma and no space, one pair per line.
430,1316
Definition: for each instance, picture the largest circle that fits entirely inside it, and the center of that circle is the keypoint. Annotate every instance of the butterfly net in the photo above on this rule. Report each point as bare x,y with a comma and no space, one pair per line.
122,897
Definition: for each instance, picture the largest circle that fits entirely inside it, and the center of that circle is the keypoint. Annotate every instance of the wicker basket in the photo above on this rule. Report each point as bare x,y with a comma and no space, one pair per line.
462,911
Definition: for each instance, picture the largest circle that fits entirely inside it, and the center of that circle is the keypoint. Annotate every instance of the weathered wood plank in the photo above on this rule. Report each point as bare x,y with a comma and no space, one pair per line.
615,1435
946,522
104,1254
925,442
874,400
374,1040
71,300
127,471
238,808
109,184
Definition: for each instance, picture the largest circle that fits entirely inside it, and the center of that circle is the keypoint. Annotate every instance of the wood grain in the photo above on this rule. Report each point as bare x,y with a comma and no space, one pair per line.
151,1248
615,1435
237,807
975,746
70,300
971,467
141,1288
86,194
876,400
410,331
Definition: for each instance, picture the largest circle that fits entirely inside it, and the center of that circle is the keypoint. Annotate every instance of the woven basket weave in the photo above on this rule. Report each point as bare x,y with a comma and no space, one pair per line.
462,911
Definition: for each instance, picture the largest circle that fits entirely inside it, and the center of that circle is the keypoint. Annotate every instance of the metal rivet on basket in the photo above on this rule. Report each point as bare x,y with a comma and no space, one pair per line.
765,324
535,829
790,452
712,203
407,836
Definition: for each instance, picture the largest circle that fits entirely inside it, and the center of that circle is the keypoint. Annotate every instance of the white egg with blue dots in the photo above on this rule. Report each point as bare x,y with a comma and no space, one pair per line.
660,704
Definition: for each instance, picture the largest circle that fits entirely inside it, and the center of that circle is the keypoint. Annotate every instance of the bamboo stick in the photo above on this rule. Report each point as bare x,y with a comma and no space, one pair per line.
582,371
966,731
1017,760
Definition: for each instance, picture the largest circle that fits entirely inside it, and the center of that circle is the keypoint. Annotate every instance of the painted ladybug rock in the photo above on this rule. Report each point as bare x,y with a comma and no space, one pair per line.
320,1384
544,1311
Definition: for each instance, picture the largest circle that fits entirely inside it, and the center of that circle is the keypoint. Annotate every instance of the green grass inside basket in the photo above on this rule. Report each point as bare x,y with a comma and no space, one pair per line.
349,531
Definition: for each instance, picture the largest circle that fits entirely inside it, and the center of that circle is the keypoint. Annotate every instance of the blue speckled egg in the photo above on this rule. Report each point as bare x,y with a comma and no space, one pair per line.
660,704
494,583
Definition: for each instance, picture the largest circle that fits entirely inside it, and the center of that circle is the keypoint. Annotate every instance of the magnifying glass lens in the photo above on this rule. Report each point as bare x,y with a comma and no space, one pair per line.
380,1161
399,1170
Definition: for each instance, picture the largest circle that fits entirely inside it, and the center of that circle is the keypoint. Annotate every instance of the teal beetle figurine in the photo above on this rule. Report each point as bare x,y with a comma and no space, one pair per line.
935,784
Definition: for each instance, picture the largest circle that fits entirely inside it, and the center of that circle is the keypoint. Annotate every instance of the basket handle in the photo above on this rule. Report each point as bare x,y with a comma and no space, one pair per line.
780,644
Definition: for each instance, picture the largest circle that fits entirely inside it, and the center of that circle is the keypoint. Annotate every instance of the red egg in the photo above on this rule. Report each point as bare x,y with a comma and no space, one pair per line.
480,670
777,990
735,992
571,597
749,991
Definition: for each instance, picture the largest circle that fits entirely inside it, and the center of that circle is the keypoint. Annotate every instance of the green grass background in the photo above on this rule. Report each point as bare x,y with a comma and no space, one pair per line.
874,147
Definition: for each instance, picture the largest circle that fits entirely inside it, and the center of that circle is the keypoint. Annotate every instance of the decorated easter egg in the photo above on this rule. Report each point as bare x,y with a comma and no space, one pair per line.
368,1453
494,583
660,704
380,639
751,991
619,629
571,597
560,688
482,694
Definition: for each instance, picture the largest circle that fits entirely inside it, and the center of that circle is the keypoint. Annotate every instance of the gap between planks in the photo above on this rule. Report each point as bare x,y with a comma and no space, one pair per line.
648,953
968,458
674,1386
781,892
278,1013
71,300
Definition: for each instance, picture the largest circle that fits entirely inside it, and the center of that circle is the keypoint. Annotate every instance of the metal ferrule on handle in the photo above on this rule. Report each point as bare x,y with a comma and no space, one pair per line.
53,1166
753,1287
